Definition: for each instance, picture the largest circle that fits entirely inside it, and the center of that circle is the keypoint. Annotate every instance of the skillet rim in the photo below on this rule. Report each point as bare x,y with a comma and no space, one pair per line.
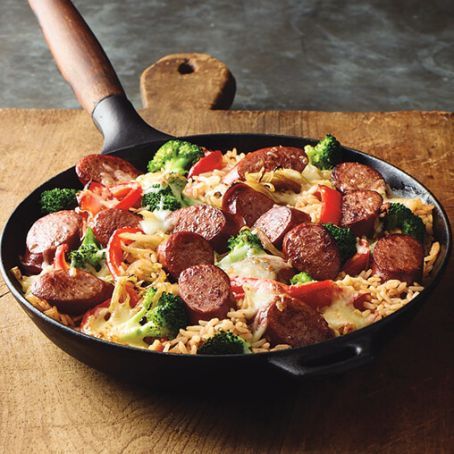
350,338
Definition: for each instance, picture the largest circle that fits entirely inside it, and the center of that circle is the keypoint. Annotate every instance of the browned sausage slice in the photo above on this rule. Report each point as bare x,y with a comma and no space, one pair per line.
243,201
209,222
107,221
312,249
293,322
349,176
105,169
73,294
206,291
31,263
275,223
398,257
182,250
360,209
269,159
48,232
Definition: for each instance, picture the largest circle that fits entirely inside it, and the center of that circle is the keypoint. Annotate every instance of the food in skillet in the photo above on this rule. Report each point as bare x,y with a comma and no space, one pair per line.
211,253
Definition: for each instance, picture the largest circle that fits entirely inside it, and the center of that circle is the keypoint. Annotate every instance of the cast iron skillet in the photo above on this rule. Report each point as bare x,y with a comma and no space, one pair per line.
84,64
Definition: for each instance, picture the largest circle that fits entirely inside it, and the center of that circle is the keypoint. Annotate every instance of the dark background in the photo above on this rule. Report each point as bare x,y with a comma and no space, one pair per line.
285,54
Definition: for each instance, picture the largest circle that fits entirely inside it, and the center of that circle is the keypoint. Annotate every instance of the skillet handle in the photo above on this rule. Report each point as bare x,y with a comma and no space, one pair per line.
85,66
77,53
358,351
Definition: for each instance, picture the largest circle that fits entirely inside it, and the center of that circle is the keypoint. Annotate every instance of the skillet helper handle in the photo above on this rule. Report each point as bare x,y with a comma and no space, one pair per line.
359,352
78,54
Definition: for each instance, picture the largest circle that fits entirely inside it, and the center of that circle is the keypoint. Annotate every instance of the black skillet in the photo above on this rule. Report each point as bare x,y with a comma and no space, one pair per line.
87,69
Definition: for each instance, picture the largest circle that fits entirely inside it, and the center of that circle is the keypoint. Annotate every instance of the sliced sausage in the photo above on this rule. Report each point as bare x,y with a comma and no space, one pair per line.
243,201
310,248
182,250
107,221
269,159
105,169
360,209
206,291
48,232
291,321
31,263
275,223
398,257
349,176
71,293
209,222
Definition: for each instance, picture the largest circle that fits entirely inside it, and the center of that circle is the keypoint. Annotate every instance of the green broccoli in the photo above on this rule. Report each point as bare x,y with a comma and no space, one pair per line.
301,278
224,343
345,240
167,195
175,156
242,245
58,199
398,216
89,252
156,319
161,198
325,154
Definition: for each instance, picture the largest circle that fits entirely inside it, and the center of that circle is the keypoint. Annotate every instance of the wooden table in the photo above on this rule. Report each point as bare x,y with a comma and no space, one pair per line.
403,402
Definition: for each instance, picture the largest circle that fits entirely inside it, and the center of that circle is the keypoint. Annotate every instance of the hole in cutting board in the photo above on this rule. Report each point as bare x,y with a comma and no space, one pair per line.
186,67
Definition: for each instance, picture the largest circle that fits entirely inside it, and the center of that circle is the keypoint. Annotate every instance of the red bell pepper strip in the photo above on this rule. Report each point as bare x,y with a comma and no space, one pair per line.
133,295
93,311
92,198
114,251
360,261
211,161
331,205
130,195
60,259
316,294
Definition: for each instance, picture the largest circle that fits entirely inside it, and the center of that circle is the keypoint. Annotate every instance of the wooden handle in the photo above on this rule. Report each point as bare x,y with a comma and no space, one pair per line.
78,54
191,81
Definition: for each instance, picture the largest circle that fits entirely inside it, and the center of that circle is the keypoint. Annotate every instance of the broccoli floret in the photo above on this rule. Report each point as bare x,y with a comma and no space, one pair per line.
156,319
242,245
345,240
162,199
167,195
89,252
301,278
224,343
175,156
398,216
326,154
58,199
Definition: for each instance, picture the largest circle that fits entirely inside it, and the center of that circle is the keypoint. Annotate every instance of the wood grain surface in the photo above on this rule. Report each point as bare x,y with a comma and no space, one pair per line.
401,403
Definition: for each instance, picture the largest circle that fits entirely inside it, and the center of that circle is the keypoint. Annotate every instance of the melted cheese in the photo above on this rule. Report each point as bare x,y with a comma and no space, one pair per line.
342,312
263,266
156,222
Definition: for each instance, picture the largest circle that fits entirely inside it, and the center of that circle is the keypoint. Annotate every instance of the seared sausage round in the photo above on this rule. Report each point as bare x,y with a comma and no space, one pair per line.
206,291
275,223
399,257
349,176
310,248
360,209
269,159
31,263
105,169
243,201
182,250
48,232
291,321
107,221
209,222
73,294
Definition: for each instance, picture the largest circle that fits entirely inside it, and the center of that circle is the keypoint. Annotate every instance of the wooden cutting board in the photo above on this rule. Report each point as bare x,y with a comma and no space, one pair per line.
402,402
